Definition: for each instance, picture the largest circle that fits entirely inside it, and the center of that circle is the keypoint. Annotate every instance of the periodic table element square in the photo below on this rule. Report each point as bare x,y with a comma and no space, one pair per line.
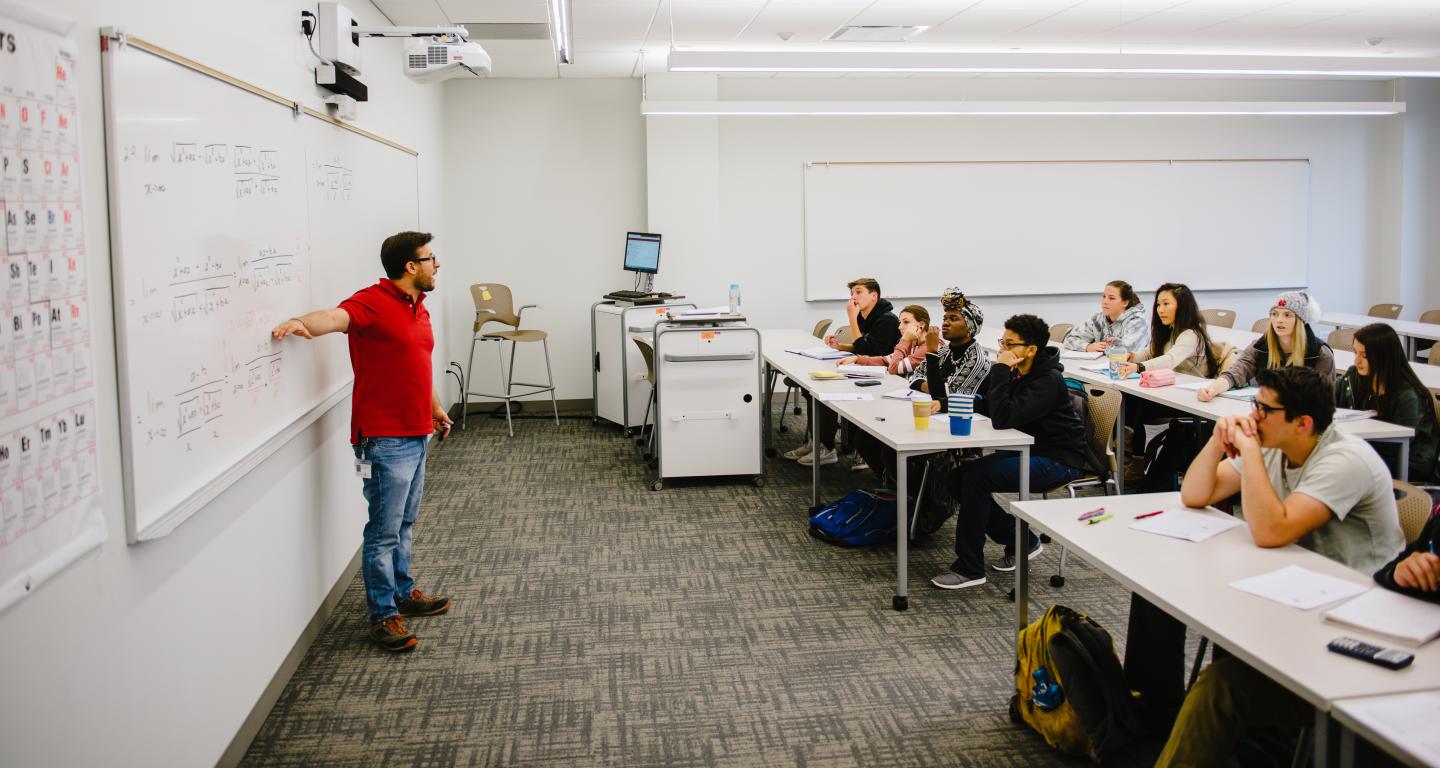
44,372
58,315
62,375
8,406
37,328
50,175
25,383
29,174
10,171
64,461
9,120
29,466
67,141
47,126
78,309
72,226
38,274
48,469
77,281
26,135
70,176
82,418
14,239
10,486
17,332
82,366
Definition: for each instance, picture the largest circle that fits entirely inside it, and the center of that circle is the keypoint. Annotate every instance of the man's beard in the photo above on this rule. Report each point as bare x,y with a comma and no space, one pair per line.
425,283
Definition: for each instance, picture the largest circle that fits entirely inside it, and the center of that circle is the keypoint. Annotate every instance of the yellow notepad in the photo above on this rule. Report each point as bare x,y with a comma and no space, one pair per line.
826,375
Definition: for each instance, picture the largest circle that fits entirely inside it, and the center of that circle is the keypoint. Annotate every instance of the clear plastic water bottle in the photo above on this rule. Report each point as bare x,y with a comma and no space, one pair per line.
1116,354
734,298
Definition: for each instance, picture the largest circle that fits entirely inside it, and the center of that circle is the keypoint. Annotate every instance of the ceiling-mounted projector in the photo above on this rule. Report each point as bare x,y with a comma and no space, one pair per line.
441,58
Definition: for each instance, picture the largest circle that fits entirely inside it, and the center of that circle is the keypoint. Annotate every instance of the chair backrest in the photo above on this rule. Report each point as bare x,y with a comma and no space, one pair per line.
1434,356
647,352
1260,325
1225,318
1414,506
493,304
1387,311
843,336
820,329
1431,316
1341,338
1059,331
1104,410
1435,396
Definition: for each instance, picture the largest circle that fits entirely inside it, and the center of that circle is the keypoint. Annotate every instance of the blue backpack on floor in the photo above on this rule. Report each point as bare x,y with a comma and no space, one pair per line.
860,519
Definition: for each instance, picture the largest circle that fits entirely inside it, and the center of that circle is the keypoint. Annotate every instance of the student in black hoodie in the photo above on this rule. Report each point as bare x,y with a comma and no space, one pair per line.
1024,390
875,330
1416,570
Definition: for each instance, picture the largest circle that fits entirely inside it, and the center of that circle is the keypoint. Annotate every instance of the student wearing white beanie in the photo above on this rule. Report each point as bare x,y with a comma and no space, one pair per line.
1288,340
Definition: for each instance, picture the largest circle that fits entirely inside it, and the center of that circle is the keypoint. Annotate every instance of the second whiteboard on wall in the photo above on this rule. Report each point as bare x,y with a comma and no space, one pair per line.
1006,228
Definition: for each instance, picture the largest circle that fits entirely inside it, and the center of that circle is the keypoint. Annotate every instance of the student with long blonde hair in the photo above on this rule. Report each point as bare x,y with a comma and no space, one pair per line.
1288,341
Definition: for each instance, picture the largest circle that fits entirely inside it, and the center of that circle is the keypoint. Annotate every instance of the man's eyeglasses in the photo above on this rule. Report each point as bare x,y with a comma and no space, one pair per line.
427,258
1266,410
1010,344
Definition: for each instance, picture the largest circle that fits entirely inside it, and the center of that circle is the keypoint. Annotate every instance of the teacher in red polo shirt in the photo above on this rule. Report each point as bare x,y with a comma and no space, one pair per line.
394,410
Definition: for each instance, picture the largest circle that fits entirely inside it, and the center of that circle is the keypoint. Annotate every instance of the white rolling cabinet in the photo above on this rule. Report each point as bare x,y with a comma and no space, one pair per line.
617,368
708,398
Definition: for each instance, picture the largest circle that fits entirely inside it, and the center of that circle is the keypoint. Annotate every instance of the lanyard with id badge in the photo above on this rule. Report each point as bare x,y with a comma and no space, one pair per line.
362,464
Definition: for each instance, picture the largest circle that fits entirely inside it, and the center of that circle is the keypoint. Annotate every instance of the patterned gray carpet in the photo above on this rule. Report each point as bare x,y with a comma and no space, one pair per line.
599,623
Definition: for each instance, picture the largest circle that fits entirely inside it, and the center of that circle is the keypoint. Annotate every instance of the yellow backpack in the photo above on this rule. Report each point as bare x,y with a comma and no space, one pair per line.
1070,687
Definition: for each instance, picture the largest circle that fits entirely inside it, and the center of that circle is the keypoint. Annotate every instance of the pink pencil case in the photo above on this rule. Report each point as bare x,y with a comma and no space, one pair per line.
1163,377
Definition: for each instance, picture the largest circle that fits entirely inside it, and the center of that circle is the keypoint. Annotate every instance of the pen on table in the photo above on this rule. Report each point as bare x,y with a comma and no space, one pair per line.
1099,519
1092,513
1149,514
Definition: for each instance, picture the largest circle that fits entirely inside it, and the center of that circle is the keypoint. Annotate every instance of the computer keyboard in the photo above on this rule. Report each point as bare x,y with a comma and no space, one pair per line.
627,294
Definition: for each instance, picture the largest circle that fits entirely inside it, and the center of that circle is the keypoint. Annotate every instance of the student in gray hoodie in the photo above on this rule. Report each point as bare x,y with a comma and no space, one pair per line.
1121,320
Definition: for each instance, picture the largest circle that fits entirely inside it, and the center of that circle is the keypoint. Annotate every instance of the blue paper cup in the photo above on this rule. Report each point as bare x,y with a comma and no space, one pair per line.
960,425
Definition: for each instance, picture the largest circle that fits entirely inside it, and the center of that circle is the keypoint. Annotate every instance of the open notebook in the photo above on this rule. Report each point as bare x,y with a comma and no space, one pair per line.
1400,617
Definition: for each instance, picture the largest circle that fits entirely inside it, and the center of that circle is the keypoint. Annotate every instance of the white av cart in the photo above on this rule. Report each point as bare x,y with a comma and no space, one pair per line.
708,399
617,370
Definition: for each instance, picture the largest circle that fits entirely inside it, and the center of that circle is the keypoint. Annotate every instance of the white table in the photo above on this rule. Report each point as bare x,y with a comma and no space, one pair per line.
889,421
1409,329
1190,582
1366,716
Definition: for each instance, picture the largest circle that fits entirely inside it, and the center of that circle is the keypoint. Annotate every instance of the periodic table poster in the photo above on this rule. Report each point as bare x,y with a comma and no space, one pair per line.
50,512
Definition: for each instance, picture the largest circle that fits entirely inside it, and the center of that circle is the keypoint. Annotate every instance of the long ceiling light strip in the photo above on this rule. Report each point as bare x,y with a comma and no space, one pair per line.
560,30
1048,64
1013,109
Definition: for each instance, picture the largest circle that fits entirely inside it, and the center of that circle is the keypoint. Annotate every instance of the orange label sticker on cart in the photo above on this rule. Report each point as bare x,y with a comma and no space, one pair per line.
707,335
660,311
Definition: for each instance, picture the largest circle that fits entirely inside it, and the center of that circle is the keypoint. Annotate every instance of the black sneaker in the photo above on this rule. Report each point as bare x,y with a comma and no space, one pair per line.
392,635
418,604
1007,563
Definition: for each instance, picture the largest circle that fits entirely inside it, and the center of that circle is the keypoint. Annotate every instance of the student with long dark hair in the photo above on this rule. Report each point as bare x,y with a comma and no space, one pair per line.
1178,339
1382,380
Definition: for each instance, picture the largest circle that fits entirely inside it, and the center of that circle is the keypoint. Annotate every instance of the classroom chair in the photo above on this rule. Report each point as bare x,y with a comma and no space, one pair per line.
1387,311
1260,325
1341,338
1225,318
1104,404
1434,356
493,304
1414,506
1431,316
1059,331
647,441
790,388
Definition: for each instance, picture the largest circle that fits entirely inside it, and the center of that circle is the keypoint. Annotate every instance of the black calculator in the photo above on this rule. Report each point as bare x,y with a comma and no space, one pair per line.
1385,657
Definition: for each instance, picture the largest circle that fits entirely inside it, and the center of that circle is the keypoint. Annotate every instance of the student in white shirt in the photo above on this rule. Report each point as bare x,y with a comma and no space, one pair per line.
1121,320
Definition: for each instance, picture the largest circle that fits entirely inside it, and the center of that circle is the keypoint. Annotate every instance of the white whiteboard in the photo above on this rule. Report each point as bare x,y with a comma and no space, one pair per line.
229,213
1006,228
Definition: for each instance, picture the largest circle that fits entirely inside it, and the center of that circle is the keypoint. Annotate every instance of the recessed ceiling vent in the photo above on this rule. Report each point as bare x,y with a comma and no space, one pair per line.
875,34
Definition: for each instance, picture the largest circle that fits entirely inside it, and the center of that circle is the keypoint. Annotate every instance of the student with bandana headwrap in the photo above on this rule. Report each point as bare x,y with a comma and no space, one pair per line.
962,363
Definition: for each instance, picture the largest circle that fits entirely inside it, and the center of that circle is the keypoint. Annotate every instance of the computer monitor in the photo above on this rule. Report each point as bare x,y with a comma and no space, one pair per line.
642,252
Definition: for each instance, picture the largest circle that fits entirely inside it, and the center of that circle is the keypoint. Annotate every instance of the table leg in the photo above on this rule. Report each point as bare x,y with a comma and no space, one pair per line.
902,535
1347,748
815,406
1119,448
1405,459
1022,552
1321,752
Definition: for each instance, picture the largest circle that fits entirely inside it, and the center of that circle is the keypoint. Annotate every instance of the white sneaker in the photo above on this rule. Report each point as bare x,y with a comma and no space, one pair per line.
826,457
799,452
859,466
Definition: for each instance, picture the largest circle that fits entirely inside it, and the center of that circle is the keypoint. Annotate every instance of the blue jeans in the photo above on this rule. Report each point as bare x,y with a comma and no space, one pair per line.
397,477
972,483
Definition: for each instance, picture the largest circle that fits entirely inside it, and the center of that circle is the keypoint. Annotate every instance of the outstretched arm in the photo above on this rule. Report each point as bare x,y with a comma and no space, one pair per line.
317,323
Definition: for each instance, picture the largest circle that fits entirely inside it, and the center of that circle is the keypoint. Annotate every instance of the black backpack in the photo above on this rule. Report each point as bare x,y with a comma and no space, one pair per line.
1170,453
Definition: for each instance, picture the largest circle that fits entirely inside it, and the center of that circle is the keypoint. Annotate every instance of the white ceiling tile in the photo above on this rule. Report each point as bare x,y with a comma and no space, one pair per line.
902,15
496,11
694,23
592,64
413,13
612,21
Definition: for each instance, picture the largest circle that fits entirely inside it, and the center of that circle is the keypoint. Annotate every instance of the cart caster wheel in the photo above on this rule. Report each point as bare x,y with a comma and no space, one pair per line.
900,602
784,428
1057,581
758,481
594,421
1045,538
1010,595
797,411
658,485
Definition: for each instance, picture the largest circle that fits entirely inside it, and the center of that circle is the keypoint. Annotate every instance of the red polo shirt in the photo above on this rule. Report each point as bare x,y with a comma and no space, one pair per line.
390,345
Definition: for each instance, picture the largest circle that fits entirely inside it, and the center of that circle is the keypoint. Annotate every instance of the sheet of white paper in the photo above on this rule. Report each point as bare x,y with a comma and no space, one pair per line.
1350,414
1243,393
844,396
709,311
904,393
867,371
1096,368
1193,385
1390,613
820,353
1187,524
1071,354
1299,587
1407,718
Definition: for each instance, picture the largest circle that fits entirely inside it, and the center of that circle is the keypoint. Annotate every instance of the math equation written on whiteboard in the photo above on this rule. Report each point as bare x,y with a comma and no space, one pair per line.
49,474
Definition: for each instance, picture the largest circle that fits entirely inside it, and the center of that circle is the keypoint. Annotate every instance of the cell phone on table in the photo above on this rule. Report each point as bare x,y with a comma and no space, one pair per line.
868,383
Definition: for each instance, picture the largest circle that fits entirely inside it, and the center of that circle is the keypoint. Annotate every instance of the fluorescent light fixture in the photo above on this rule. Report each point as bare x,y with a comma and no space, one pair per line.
560,29
1051,64
1011,108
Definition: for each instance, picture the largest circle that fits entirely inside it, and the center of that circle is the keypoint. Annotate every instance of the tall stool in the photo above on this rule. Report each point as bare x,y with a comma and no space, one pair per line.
493,304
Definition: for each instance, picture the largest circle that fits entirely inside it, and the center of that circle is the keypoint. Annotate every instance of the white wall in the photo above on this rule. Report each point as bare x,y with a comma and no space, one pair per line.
545,177
1419,275
727,192
152,655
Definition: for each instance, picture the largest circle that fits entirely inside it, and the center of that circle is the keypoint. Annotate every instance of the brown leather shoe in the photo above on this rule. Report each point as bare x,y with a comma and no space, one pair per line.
392,635
418,604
